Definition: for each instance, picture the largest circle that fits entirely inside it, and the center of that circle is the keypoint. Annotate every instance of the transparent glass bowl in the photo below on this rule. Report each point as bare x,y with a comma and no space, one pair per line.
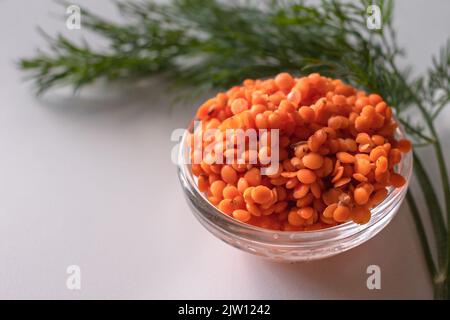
288,246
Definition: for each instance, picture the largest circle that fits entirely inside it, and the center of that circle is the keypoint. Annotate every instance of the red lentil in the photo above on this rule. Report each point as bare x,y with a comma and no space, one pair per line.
230,192
306,176
306,212
312,160
226,206
217,188
261,194
242,215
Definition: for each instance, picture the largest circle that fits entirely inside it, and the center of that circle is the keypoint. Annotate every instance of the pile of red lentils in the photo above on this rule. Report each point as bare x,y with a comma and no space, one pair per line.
337,153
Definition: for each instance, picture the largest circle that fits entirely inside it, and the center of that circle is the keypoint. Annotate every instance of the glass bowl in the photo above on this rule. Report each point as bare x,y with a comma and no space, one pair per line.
290,246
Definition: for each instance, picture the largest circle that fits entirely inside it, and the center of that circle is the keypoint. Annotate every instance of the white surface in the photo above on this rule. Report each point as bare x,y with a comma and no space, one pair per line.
88,180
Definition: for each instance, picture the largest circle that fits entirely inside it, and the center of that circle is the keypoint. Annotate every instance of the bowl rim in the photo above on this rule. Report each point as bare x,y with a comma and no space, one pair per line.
254,233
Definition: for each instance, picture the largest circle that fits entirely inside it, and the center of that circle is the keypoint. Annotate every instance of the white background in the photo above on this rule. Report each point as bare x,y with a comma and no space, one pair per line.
88,180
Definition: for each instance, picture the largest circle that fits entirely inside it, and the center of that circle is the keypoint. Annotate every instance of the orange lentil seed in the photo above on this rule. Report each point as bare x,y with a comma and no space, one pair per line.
295,219
382,164
230,192
284,81
226,206
404,145
341,182
242,215
253,177
360,215
306,176
360,177
361,196
217,188
341,213
306,212
345,157
397,180
329,210
378,196
313,161
242,185
229,175
253,209
261,194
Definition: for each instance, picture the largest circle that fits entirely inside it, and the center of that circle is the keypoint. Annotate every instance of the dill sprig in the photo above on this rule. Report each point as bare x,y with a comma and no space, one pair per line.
211,44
